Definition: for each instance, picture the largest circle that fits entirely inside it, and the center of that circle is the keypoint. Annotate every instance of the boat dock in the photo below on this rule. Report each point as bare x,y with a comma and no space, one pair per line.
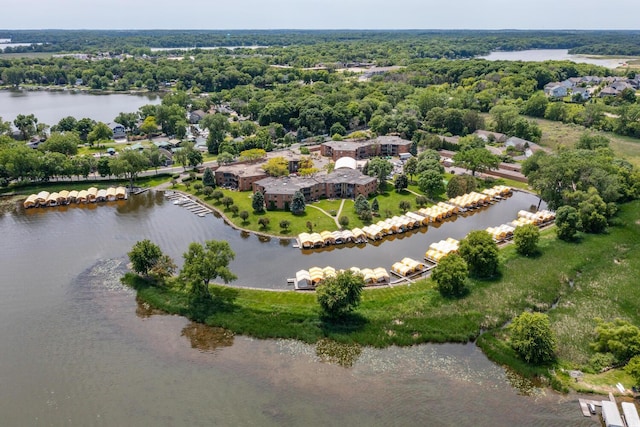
585,408
188,203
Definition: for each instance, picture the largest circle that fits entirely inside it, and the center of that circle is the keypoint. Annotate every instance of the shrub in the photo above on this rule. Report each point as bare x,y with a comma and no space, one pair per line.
526,239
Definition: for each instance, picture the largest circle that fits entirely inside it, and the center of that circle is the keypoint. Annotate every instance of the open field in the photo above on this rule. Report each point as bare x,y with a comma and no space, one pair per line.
558,134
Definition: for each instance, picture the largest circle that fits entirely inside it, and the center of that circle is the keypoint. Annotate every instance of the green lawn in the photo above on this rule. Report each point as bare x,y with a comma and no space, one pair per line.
389,199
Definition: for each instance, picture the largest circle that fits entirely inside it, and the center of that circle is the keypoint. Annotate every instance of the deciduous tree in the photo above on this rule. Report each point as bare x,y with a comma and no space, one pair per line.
143,256
205,263
451,275
532,338
340,294
480,252
526,239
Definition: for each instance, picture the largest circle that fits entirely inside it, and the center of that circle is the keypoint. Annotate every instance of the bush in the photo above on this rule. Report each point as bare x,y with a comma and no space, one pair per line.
451,275
526,239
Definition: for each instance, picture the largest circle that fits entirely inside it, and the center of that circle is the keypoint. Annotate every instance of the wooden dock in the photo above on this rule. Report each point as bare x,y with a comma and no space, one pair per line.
188,203
585,408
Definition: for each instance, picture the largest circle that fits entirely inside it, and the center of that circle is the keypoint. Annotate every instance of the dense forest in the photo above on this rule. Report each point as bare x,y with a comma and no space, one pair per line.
392,46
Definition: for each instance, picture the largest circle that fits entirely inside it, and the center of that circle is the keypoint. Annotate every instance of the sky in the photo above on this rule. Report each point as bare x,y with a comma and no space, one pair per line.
320,14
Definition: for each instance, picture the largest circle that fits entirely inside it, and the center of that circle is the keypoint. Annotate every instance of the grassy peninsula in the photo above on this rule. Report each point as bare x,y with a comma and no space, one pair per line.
573,282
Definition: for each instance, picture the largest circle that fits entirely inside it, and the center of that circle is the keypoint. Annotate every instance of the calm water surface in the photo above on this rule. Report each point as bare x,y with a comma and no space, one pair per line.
49,107
78,350
537,55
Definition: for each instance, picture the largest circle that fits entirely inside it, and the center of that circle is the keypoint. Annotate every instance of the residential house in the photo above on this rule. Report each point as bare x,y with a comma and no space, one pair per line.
119,131
488,136
583,92
196,115
556,91
608,91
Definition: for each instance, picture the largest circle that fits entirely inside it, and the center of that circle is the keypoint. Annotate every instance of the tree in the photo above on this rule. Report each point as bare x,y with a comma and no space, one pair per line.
285,224
205,263
149,126
100,132
592,213
224,158
421,201
401,182
143,256
128,164
375,206
532,338
208,178
430,182
476,160
218,125
297,203
410,167
633,368
361,205
344,221
451,275
480,252
620,338
340,294
404,205
276,166
589,141
460,184
526,239
207,191
27,125
258,202
264,222
379,168
65,143
244,215
227,201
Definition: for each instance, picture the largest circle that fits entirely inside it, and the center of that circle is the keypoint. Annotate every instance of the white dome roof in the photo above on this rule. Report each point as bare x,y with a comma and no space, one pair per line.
345,162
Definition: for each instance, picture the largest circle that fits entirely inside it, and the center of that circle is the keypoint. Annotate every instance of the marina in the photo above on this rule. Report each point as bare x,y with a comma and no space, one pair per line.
399,224
64,197
188,203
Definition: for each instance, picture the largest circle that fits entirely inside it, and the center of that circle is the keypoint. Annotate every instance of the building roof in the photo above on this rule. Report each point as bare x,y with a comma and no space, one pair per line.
243,169
485,134
285,184
391,139
346,145
346,162
349,176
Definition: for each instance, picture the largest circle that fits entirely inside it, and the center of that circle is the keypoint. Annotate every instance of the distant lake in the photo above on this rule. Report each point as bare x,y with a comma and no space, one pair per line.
539,55
49,106
160,49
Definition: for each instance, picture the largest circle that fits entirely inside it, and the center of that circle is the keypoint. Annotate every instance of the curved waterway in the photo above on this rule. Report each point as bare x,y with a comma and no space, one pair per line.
78,350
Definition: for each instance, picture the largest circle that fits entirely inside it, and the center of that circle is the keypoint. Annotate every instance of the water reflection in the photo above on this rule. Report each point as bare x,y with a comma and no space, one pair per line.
343,354
207,338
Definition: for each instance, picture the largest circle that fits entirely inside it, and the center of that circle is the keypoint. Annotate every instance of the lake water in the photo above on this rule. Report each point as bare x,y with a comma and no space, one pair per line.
538,55
51,106
78,350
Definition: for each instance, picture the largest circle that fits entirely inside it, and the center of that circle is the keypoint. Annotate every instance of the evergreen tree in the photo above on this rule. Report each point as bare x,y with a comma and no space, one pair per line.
258,202
208,178
297,203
